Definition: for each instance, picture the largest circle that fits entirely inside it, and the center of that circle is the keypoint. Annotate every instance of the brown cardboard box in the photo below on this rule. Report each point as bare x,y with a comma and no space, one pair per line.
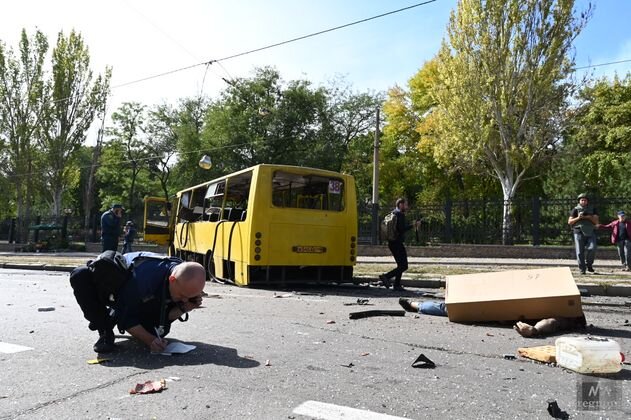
513,295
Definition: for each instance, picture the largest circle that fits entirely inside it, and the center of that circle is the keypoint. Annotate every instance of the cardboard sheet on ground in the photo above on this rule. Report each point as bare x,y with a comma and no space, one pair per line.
513,295
175,347
545,354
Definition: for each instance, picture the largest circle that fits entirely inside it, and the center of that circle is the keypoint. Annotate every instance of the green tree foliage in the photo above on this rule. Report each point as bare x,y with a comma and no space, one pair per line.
412,127
73,101
123,172
262,120
21,112
503,87
596,153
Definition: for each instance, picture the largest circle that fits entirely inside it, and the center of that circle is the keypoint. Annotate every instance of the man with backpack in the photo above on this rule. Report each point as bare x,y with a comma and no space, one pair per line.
396,227
142,293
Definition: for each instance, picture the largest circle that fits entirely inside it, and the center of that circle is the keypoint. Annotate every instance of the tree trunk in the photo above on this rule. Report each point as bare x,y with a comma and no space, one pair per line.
508,189
88,200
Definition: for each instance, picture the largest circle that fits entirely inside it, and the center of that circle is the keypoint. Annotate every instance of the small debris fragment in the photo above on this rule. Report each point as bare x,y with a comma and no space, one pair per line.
285,295
330,321
555,411
350,365
31,332
149,387
45,308
173,379
490,335
268,363
98,361
509,356
423,362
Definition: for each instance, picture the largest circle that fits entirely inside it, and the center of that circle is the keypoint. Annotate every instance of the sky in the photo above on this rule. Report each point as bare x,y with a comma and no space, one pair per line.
142,38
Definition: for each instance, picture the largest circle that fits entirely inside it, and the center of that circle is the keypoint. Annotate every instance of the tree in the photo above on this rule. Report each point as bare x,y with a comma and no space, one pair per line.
503,87
128,132
596,151
21,111
73,102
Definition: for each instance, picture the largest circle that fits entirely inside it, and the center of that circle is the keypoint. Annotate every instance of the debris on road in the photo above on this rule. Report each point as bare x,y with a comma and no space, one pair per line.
284,295
359,301
556,412
149,387
376,312
330,321
98,361
268,363
423,362
509,356
350,365
545,354
45,308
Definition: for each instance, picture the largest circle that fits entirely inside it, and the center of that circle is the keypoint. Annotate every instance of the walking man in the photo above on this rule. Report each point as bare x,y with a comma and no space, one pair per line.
583,219
397,247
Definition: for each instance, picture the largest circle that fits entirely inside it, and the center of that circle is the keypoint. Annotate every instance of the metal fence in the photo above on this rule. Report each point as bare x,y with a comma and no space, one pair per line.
536,221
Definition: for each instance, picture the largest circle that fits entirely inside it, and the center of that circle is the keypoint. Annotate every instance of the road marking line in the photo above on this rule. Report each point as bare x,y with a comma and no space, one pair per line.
324,411
12,348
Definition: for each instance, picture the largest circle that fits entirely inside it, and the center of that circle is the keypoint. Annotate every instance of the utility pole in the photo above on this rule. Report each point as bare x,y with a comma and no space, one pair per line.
374,231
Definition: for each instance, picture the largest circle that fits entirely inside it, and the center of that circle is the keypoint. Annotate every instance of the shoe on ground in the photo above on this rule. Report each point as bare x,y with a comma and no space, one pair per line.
582,271
405,304
384,281
398,288
105,343
591,270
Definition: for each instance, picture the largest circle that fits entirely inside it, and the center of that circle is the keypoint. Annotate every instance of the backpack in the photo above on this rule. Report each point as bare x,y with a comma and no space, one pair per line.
109,272
389,226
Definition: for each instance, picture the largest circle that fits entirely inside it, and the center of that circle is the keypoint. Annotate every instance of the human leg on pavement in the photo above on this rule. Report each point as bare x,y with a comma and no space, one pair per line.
579,243
627,254
86,294
590,252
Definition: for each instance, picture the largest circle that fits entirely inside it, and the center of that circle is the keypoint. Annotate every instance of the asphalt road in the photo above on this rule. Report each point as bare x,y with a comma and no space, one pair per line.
280,355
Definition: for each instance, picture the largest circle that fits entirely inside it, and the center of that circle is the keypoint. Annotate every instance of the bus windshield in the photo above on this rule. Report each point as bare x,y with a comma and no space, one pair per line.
309,191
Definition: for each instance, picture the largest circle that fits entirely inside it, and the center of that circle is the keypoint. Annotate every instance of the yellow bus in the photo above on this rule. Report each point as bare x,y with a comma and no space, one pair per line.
265,225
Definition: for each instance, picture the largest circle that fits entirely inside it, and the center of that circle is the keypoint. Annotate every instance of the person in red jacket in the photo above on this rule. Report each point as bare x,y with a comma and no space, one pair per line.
621,237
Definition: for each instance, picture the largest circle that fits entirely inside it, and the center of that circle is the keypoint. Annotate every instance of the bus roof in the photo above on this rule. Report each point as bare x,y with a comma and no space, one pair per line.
264,165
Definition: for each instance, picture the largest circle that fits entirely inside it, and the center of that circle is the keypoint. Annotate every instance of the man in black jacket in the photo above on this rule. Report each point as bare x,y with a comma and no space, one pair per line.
397,247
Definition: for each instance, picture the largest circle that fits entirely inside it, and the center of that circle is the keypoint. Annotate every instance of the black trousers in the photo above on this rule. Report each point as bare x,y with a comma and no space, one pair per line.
401,257
86,293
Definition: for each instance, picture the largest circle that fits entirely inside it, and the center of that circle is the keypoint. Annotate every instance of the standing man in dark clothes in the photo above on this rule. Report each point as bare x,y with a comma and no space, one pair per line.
110,227
397,247
583,219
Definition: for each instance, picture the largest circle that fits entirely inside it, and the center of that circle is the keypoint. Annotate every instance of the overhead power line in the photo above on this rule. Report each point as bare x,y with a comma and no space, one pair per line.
602,64
277,44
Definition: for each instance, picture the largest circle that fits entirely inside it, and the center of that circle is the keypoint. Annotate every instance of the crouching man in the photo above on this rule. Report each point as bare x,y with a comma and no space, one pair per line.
157,292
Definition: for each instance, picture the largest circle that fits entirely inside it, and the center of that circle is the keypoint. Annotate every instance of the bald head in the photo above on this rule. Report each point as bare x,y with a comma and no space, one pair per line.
187,280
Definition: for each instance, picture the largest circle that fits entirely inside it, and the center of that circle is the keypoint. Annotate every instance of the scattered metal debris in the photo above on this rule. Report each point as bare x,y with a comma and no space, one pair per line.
556,412
376,312
45,308
423,362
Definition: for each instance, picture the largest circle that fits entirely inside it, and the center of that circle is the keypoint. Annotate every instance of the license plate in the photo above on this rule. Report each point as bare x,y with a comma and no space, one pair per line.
308,249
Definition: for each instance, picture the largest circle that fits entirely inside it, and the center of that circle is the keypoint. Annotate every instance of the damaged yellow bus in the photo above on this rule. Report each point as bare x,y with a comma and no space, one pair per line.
265,225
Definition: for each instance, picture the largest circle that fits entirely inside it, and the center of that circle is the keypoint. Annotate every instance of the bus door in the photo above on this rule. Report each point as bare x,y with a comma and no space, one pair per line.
157,223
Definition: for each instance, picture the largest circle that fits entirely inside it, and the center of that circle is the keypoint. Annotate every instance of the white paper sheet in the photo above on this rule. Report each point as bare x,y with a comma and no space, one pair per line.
177,347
